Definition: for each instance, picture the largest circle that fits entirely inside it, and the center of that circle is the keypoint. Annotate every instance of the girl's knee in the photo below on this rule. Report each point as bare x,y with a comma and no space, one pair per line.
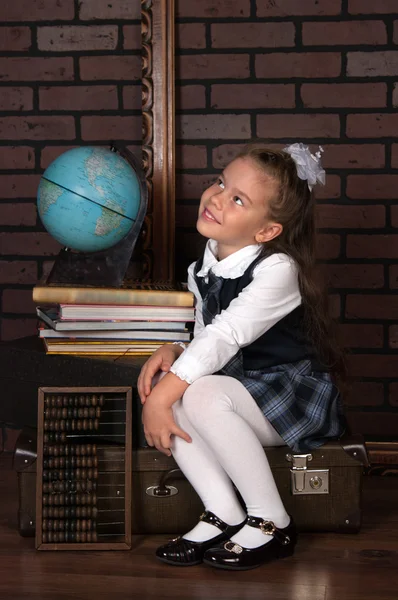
204,398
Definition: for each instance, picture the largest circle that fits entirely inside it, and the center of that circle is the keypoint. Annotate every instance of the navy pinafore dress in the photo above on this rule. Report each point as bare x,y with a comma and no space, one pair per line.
280,370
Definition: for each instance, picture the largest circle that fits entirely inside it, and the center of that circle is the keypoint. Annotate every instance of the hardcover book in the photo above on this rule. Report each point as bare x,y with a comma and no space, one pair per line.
134,292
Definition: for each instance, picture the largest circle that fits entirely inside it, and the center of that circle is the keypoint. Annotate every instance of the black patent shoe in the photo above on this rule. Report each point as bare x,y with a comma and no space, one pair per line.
229,555
184,553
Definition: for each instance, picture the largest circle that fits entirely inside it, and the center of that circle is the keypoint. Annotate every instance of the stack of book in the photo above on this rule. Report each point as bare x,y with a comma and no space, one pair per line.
134,319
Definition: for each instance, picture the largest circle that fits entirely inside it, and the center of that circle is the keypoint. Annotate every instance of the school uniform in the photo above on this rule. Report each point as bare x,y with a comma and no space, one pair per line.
249,312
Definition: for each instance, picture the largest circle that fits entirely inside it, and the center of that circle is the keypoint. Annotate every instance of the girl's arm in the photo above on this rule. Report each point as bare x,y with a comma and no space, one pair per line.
157,415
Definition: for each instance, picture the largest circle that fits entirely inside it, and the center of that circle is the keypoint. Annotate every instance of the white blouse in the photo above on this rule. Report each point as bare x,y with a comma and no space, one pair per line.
271,295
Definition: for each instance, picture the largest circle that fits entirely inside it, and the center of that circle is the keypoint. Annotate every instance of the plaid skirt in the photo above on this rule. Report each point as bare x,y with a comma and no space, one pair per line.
303,406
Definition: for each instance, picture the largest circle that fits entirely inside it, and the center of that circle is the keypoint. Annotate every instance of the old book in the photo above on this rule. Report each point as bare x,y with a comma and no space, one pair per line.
90,312
156,335
109,347
50,316
135,292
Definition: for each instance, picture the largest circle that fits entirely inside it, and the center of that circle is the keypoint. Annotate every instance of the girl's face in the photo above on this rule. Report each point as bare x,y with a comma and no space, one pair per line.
233,211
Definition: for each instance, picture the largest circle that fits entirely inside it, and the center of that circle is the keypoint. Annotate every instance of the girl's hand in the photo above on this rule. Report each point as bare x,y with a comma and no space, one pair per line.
159,426
161,360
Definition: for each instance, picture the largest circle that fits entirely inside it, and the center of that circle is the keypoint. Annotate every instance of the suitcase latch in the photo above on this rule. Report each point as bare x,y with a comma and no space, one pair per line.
304,480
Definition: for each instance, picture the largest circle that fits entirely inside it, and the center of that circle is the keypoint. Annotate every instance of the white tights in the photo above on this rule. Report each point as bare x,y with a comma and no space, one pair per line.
228,433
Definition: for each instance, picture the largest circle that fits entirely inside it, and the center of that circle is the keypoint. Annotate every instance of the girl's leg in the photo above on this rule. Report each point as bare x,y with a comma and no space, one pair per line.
230,423
199,464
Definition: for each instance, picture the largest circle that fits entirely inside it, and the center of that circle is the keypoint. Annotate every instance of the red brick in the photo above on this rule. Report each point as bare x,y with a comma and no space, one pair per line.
372,64
213,126
38,128
186,216
190,96
19,186
191,35
15,214
383,307
344,33
36,10
393,336
191,187
372,246
353,156
357,95
12,329
372,186
252,95
287,8
393,394
33,244
298,64
214,9
354,276
298,126
212,66
371,125
132,97
395,94
373,365
17,157
365,393
50,153
25,68
339,216
394,156
111,128
331,190
394,276
252,35
15,39
394,216
132,37
372,423
18,301
16,98
191,157
18,271
67,38
361,336
328,246
126,68
80,97
364,7
223,154
334,305
91,10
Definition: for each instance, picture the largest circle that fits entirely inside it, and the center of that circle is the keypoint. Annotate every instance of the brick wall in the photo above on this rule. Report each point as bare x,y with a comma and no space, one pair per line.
319,71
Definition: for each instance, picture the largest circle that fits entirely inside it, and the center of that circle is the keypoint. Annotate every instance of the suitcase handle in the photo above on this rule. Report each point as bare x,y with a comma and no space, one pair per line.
162,490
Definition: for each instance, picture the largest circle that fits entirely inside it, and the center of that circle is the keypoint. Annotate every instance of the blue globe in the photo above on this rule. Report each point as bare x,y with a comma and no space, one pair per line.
88,198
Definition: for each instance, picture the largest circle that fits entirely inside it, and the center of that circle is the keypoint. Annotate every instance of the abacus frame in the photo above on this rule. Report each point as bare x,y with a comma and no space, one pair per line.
126,543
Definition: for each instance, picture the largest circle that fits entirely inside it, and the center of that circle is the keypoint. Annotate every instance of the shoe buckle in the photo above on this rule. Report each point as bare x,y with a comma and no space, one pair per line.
267,527
232,547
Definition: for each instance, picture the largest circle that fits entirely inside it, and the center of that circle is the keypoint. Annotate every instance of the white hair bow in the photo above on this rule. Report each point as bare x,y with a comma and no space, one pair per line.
308,165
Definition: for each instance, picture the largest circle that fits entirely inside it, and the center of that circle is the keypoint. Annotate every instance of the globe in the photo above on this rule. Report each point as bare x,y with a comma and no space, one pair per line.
88,198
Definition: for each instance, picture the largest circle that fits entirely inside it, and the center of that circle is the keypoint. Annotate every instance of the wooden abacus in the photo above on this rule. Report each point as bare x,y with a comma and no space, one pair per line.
83,488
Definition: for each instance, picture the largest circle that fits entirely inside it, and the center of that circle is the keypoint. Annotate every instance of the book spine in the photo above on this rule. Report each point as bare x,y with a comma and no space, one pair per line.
114,296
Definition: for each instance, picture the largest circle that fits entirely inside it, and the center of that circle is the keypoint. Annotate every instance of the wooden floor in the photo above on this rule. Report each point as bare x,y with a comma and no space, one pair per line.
325,566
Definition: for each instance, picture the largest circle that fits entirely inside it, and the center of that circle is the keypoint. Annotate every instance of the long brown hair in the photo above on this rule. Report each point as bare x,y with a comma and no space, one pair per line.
294,209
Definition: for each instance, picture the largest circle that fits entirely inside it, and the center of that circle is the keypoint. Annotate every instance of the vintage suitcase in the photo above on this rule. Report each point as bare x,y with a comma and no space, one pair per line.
321,489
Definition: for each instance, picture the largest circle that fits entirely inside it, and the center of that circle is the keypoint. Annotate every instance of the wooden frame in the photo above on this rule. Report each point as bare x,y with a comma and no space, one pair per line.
122,545
158,101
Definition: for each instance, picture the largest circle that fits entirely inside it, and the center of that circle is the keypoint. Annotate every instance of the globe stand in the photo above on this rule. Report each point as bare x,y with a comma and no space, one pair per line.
106,267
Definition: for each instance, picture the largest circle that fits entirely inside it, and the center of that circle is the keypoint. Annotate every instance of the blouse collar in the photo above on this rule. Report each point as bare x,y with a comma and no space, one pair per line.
232,266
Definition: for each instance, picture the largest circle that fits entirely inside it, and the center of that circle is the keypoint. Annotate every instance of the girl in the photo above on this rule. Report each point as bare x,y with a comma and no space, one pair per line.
258,371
